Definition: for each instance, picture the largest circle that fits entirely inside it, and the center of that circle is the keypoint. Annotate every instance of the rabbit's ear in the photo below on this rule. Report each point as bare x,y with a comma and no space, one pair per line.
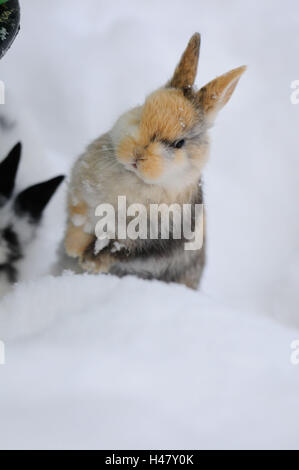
185,72
33,200
213,96
8,171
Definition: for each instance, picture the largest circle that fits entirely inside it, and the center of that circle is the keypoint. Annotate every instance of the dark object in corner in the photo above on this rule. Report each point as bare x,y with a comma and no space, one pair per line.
9,24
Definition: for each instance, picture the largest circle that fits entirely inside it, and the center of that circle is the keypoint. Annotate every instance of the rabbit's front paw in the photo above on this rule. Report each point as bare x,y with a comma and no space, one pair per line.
92,263
76,241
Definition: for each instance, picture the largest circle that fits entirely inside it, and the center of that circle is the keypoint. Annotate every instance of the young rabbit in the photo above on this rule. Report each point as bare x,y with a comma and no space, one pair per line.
154,154
20,216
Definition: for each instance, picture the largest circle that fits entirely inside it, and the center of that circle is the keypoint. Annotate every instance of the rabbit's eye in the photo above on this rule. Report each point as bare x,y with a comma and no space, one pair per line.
179,144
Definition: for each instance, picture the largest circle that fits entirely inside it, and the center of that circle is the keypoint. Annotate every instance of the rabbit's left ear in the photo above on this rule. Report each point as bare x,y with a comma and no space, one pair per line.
185,73
213,96
8,171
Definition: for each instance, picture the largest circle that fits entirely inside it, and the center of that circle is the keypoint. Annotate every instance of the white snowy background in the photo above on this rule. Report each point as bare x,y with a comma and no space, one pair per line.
98,362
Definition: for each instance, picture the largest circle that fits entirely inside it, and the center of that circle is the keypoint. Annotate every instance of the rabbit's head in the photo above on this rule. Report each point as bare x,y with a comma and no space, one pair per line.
165,141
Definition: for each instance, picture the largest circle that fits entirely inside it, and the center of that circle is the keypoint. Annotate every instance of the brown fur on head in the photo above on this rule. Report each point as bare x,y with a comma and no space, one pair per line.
165,141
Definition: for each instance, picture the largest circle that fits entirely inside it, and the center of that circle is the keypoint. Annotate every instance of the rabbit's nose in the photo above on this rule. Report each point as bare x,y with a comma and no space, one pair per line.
138,154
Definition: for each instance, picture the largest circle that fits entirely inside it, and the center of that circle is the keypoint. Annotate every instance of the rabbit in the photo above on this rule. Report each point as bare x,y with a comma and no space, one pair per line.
155,153
20,216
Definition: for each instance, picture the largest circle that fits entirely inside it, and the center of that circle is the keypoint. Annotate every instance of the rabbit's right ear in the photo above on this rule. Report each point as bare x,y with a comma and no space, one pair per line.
8,171
213,96
185,72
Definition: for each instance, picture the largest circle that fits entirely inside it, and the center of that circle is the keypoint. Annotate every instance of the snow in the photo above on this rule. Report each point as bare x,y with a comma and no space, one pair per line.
78,220
101,362
117,247
126,364
100,245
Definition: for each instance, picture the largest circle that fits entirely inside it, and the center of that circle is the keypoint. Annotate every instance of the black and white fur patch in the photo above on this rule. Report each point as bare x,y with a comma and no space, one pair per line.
20,216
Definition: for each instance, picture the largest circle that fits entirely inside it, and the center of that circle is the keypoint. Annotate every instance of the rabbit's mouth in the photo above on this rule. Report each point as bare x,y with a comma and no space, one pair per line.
135,162
132,167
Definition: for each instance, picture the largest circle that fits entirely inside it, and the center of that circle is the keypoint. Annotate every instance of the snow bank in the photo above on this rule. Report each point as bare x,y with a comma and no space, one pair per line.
98,362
